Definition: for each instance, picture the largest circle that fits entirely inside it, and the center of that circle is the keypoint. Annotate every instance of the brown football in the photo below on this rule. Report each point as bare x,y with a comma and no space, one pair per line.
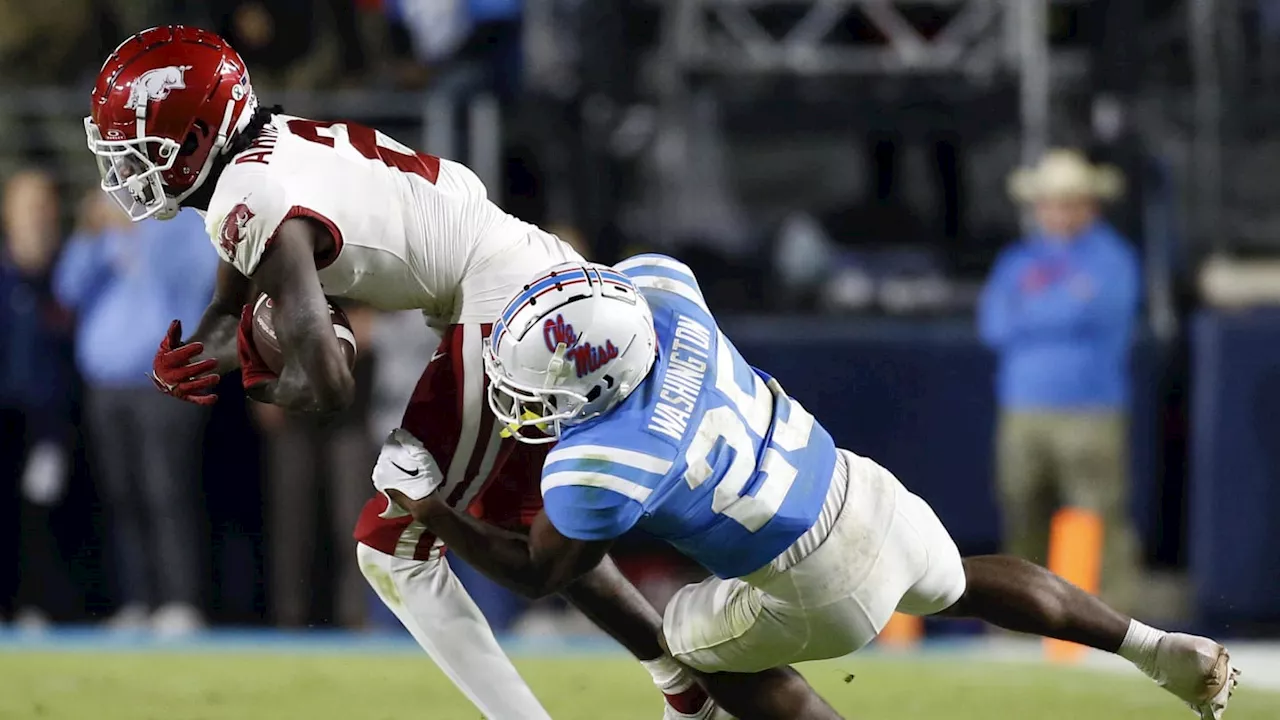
268,345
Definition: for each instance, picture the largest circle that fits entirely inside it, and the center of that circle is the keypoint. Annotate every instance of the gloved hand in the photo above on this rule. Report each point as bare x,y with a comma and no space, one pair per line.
404,465
253,371
174,374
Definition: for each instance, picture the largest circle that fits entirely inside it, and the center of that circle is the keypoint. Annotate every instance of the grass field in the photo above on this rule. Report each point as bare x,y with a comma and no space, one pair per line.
113,685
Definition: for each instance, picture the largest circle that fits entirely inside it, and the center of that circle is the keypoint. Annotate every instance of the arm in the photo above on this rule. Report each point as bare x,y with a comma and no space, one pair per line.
315,376
996,306
189,370
543,563
218,324
195,276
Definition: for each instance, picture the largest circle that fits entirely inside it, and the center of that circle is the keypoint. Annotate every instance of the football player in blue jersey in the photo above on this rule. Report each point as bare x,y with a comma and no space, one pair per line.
661,425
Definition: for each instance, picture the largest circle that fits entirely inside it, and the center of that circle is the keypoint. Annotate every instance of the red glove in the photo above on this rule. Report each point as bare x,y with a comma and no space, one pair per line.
174,374
253,371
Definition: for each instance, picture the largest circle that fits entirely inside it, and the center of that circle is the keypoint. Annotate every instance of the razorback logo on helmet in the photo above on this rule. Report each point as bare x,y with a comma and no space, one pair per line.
156,85
232,231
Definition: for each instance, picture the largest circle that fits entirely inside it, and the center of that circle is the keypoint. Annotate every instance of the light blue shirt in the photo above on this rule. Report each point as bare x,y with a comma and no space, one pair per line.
1060,317
126,285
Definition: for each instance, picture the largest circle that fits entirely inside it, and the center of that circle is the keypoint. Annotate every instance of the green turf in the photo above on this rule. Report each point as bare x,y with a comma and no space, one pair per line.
154,686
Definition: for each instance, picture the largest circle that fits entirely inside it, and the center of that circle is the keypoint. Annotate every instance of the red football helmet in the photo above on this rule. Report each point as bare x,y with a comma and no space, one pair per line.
167,103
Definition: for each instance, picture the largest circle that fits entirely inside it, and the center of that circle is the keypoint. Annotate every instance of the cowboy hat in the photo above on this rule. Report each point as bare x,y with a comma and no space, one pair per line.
1065,173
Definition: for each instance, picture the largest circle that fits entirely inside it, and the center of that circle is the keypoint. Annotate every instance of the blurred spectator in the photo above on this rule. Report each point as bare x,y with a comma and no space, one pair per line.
295,44
42,45
468,44
126,282
315,464
49,41
35,396
1059,310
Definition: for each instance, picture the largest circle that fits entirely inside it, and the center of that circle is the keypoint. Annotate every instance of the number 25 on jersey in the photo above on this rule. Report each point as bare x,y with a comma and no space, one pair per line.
747,414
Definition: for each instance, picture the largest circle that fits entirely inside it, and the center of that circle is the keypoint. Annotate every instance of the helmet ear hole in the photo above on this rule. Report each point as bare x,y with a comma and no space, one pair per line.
191,143
593,394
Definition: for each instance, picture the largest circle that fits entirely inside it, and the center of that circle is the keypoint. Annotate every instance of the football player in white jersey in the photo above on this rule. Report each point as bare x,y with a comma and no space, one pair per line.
301,209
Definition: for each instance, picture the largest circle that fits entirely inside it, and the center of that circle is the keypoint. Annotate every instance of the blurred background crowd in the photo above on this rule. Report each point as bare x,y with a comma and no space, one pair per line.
1016,250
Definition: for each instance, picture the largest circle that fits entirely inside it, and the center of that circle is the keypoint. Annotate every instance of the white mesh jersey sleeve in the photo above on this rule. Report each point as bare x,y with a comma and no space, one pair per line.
246,209
410,231
398,239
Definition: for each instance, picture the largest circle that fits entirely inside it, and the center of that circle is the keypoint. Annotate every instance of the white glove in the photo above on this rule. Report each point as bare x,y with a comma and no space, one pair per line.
405,465
44,479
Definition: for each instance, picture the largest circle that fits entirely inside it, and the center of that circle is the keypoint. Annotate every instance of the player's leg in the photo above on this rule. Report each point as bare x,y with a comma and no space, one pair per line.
402,561
741,635
822,598
1018,595
615,605
740,644
774,693
433,606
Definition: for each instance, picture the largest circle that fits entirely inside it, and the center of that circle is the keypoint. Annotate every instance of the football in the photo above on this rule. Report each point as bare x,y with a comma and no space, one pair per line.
268,345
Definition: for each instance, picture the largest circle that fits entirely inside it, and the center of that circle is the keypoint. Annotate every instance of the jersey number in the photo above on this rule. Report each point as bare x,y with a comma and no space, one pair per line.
370,144
751,410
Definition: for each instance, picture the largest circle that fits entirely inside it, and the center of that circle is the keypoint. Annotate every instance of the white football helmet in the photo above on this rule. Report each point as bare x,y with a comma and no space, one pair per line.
571,345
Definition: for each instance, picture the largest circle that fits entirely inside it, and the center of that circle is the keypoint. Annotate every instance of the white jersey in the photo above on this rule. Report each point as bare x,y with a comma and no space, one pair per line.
411,231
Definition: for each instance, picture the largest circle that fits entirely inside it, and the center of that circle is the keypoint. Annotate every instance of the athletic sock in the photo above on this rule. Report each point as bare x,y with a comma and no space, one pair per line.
677,684
1139,645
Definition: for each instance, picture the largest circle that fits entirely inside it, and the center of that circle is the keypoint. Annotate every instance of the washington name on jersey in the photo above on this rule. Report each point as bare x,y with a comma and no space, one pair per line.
706,453
408,227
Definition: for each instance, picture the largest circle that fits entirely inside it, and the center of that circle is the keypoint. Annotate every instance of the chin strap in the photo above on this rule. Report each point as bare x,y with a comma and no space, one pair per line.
169,211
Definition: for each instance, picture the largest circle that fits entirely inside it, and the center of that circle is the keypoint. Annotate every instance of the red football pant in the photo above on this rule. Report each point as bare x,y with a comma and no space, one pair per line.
494,478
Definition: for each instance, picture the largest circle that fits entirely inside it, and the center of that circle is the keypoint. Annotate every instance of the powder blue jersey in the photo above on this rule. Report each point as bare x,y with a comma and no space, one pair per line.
707,453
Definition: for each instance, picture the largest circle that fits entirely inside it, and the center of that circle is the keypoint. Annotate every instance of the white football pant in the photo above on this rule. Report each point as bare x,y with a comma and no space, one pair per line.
874,549
434,607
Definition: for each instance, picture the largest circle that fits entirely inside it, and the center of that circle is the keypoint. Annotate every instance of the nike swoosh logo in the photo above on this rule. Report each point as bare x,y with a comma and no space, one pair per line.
405,470
436,357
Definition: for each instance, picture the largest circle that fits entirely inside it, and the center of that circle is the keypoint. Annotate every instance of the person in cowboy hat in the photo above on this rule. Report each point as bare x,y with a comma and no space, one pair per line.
1058,311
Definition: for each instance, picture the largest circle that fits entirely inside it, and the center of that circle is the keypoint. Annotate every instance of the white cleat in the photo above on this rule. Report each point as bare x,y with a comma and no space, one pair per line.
1197,670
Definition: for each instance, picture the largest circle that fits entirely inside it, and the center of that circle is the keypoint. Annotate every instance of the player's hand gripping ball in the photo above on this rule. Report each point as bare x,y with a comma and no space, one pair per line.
264,345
